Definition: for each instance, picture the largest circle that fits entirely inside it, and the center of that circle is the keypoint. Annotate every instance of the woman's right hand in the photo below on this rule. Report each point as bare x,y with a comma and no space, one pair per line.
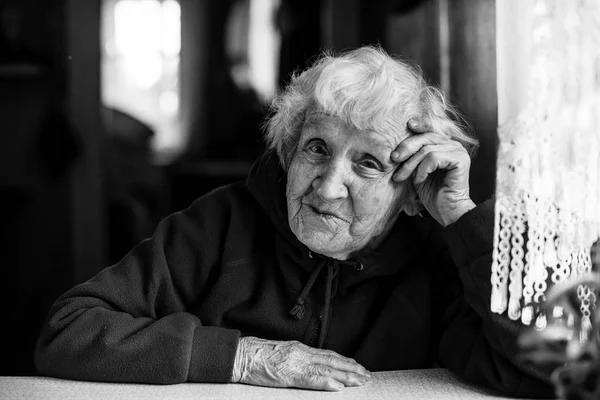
293,364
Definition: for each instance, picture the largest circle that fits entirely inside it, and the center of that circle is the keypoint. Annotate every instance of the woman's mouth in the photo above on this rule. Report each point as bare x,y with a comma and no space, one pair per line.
323,213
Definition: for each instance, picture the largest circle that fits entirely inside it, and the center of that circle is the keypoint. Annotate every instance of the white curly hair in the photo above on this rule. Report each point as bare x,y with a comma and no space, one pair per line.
366,88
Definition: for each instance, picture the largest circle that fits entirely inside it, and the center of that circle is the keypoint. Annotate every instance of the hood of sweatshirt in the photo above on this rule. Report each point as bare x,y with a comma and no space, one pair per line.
267,183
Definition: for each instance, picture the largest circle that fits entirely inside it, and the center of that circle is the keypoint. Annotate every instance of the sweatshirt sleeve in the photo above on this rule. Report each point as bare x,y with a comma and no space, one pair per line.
130,322
475,343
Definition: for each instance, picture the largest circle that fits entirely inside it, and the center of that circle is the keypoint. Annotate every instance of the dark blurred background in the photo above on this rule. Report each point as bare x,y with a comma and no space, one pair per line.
115,113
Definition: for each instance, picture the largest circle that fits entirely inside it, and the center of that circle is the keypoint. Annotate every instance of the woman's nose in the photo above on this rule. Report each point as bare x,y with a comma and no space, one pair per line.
331,185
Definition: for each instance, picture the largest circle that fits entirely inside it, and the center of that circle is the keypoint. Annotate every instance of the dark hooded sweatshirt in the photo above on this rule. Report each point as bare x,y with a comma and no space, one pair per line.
173,309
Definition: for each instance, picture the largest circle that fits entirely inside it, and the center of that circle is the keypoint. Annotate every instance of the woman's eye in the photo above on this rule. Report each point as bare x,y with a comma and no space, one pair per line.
317,148
370,164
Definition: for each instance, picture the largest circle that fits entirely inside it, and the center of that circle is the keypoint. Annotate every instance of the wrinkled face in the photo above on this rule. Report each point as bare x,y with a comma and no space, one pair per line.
340,193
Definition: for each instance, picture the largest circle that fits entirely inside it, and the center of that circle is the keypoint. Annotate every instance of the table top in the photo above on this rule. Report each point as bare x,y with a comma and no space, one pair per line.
410,384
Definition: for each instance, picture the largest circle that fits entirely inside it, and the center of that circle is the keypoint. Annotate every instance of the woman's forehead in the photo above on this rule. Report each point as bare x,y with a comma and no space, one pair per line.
322,122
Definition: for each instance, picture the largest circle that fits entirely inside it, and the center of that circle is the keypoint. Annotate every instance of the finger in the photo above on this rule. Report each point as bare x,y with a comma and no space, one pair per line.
409,166
455,161
318,355
420,124
431,163
328,353
347,378
339,362
412,144
317,382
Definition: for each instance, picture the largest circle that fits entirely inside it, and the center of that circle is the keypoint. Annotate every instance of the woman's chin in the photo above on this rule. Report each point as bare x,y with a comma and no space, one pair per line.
331,244
324,234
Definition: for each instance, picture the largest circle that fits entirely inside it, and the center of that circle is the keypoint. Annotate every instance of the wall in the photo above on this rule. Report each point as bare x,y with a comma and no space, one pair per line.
37,151
51,201
473,88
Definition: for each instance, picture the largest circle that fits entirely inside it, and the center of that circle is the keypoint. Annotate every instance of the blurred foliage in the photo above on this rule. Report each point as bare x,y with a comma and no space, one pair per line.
568,346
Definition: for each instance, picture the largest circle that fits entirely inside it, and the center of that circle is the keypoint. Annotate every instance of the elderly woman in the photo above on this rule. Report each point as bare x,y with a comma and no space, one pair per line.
353,246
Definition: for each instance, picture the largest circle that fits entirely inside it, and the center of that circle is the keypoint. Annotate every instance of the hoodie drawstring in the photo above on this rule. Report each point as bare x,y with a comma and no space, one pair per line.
298,310
330,289
325,321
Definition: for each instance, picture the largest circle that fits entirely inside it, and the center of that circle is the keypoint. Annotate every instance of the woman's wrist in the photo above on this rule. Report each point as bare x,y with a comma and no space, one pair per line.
238,363
458,211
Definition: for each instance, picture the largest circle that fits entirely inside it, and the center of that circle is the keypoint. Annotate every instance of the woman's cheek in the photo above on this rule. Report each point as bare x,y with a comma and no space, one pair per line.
371,194
380,200
300,176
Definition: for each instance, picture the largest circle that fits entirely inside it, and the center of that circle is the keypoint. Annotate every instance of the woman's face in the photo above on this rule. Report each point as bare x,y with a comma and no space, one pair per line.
340,193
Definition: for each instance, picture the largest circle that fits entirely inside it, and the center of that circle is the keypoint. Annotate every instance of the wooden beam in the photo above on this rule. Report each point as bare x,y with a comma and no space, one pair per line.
414,35
472,29
340,24
87,196
194,69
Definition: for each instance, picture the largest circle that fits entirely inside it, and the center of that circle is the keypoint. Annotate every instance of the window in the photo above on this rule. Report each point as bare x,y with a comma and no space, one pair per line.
253,43
141,44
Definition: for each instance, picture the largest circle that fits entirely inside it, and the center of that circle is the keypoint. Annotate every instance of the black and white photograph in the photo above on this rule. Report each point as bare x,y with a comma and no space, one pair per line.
303,199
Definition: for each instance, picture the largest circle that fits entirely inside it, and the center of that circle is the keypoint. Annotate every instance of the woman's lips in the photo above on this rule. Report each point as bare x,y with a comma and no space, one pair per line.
323,213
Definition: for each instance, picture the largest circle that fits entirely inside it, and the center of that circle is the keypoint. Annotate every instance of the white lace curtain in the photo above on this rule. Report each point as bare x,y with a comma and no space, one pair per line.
548,169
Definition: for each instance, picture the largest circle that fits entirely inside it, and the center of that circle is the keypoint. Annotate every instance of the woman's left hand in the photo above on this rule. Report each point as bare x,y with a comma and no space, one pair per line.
437,169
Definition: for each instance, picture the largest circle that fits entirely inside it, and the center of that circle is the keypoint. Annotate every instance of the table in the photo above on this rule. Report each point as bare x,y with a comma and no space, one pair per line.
410,384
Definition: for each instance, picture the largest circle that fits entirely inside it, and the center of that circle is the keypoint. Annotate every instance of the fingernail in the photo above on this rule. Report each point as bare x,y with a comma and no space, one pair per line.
338,386
395,155
413,122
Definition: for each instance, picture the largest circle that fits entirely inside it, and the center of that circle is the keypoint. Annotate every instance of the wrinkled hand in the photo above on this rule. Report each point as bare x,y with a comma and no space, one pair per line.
437,169
293,364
